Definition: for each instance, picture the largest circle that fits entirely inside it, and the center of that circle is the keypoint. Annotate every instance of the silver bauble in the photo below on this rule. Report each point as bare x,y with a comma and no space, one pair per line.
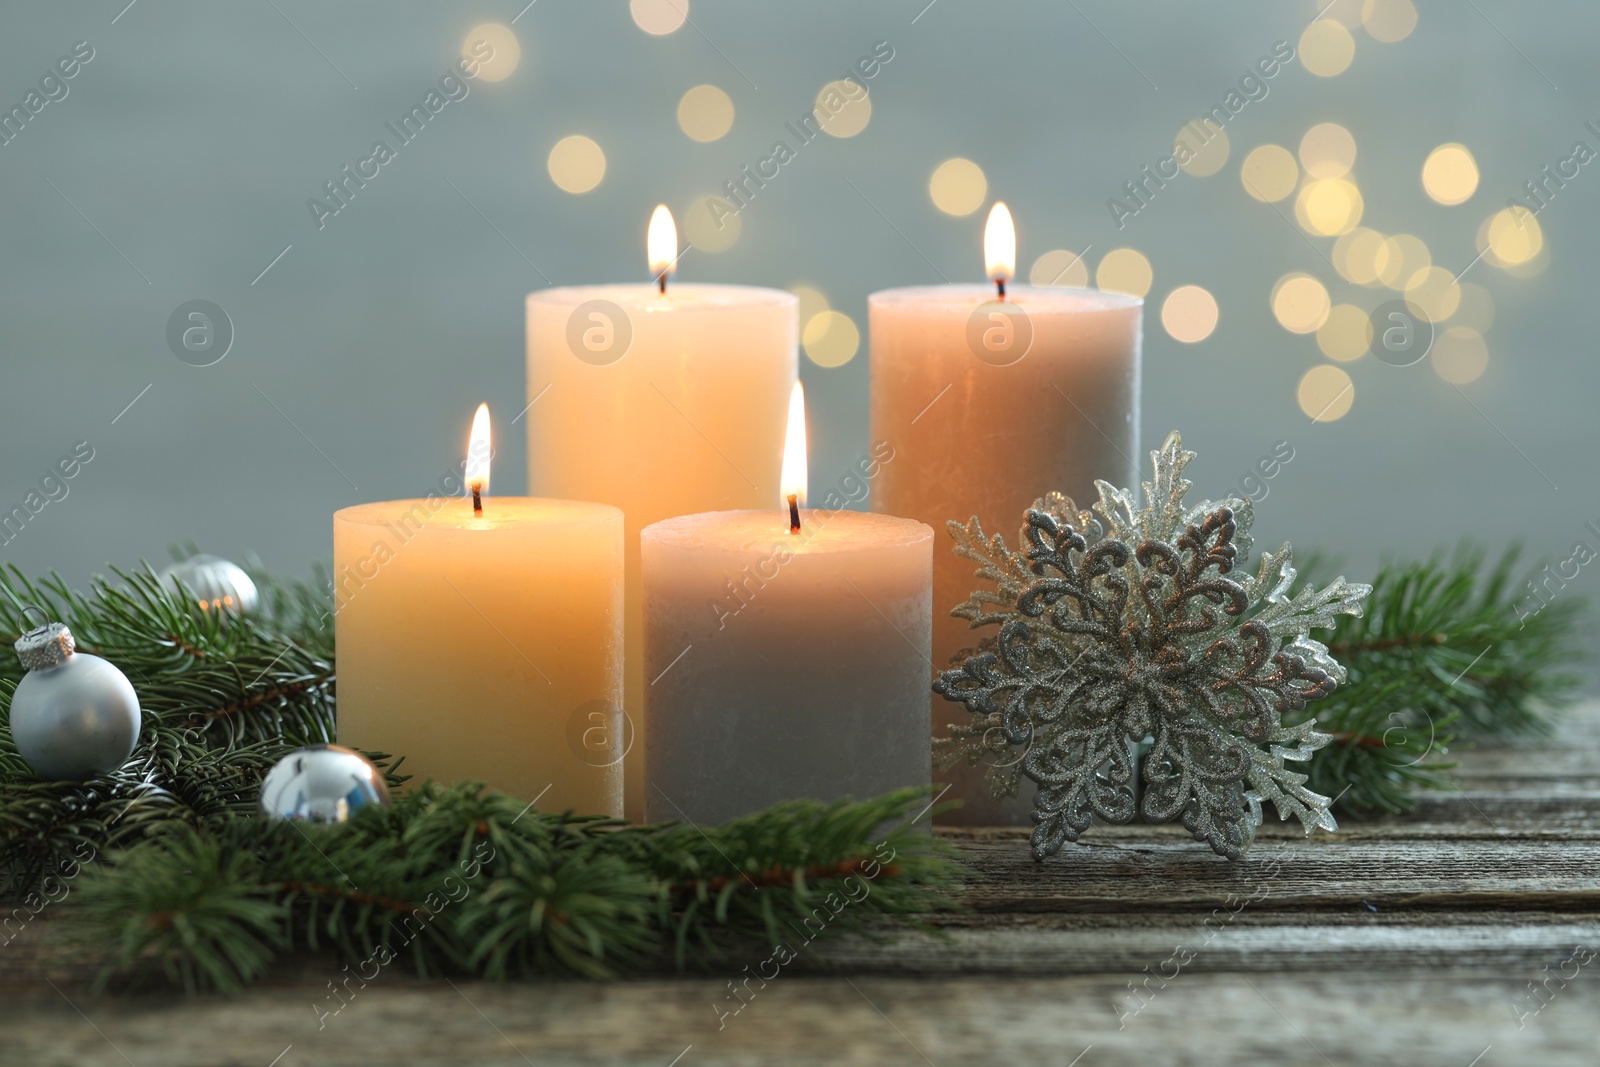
73,715
216,583
322,783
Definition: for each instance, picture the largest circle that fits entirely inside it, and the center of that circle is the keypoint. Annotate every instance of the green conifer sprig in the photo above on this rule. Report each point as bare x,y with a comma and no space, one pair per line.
1447,652
459,880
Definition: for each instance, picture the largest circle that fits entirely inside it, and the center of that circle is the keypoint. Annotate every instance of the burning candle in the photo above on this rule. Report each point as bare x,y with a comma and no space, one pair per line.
993,398
481,638
661,399
786,653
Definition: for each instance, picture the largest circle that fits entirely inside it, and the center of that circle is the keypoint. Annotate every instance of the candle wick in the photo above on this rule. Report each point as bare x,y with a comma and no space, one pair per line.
1000,284
477,502
661,280
794,513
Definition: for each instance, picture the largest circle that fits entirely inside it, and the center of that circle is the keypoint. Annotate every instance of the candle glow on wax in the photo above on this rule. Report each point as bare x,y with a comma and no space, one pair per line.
1000,246
661,245
476,474
795,475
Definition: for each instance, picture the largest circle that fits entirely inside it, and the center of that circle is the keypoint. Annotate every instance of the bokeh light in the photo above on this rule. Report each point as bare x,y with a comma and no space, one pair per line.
958,186
1124,270
1403,256
843,108
830,339
506,51
1299,302
711,224
1512,236
1389,20
1450,174
1434,294
705,113
576,164
1189,313
1329,206
1269,172
1359,256
1060,268
1326,48
1327,151
658,17
1346,13
1345,334
1460,355
1201,148
813,301
1326,393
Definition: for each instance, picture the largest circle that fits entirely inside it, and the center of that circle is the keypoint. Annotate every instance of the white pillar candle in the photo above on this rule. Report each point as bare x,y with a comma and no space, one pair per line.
989,405
661,404
485,647
784,665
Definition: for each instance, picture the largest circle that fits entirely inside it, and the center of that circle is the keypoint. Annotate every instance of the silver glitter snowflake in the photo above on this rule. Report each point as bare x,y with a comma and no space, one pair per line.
1133,629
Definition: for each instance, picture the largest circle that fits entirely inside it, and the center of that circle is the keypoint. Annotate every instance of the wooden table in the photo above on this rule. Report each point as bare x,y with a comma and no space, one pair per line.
1412,941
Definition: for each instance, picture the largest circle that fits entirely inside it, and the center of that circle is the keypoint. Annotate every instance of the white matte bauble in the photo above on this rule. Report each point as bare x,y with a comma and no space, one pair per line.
216,583
73,715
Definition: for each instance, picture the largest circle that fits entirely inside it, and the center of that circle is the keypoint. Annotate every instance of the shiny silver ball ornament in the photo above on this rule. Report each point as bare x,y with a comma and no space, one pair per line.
322,783
217,584
73,715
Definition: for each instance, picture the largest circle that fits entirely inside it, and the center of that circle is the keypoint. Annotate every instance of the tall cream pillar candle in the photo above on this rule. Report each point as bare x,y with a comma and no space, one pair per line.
989,405
485,647
787,651
661,404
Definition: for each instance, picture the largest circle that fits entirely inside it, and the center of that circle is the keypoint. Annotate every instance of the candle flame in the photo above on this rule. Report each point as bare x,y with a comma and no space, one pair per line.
793,481
1000,244
661,243
476,474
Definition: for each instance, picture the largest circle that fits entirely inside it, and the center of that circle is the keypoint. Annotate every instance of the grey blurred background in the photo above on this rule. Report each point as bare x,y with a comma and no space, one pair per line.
180,161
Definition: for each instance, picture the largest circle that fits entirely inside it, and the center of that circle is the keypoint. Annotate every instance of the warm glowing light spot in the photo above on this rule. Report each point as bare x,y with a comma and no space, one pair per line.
1201,148
812,301
576,164
1513,236
830,339
1359,256
1189,313
1269,173
1327,151
705,113
1300,303
1434,294
1345,334
1060,268
1326,393
1345,12
711,224
1459,355
1476,311
1124,270
658,17
1328,207
1402,259
494,48
843,108
793,476
1450,174
1326,48
958,186
1389,20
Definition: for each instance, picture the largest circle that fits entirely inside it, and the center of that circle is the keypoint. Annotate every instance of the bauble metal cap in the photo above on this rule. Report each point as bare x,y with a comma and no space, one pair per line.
49,645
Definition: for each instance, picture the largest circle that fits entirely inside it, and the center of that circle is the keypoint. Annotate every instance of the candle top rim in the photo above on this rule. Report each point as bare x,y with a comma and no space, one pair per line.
822,532
1047,298
499,512
705,294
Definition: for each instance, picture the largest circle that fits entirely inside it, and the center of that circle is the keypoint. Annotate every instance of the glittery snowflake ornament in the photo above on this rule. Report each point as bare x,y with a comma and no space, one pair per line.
1134,629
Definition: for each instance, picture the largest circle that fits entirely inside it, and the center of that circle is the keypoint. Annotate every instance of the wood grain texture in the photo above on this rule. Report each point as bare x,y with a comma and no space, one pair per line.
1456,935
